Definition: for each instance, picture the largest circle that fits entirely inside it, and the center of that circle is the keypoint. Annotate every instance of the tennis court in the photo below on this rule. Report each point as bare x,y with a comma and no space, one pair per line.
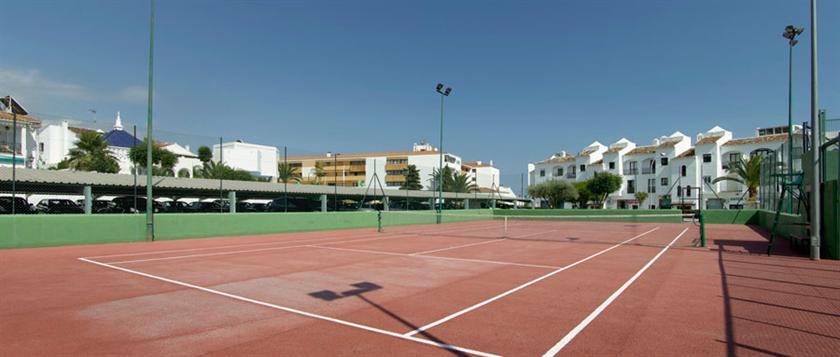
419,284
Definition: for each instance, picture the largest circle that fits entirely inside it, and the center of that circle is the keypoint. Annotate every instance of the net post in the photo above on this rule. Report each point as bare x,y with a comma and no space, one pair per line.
506,227
702,230
379,221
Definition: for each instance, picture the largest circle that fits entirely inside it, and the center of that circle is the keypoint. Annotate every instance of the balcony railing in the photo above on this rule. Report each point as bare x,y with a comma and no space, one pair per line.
631,171
647,170
571,175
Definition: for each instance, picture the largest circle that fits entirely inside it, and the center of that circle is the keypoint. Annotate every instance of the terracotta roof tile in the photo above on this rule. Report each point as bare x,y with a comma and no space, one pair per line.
709,140
25,119
668,144
687,153
642,150
614,150
556,160
759,139
599,162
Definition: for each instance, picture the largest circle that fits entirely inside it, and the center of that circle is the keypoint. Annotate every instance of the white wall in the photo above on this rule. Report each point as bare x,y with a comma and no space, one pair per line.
260,160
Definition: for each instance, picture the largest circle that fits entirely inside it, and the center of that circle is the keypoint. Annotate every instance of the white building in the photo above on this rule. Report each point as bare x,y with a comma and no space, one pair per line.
259,160
187,161
670,168
56,140
18,144
484,175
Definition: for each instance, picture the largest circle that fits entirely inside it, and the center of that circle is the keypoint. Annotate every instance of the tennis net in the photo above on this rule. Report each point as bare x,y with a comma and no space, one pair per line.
573,228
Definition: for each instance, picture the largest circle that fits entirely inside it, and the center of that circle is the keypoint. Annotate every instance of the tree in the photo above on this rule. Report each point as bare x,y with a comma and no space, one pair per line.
555,192
601,185
205,154
216,171
184,172
641,196
92,154
319,173
447,179
287,173
412,179
745,172
462,183
584,195
163,160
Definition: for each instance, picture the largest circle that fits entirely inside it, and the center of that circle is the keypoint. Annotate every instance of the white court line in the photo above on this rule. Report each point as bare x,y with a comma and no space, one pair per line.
366,234
520,287
292,310
575,331
245,251
444,231
457,246
438,257
534,234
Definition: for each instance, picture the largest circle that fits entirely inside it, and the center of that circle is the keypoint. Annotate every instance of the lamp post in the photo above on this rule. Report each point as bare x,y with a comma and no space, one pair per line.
816,130
335,182
150,230
790,34
443,93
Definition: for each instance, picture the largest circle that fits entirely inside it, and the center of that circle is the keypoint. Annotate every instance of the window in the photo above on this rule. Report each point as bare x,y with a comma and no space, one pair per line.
582,168
682,171
559,171
651,186
631,186
612,165
688,191
679,191
41,147
542,172
663,181
734,157
663,161
393,184
707,157
707,179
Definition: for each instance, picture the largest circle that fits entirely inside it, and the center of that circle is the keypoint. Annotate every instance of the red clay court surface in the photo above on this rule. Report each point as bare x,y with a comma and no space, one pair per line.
358,292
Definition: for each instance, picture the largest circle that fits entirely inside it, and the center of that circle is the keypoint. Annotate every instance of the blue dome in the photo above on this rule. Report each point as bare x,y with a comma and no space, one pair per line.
121,138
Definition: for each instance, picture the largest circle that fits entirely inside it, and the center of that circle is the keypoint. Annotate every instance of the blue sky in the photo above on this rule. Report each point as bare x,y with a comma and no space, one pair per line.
530,78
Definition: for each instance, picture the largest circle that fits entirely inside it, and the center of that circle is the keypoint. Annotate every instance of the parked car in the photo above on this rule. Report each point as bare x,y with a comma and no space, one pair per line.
174,206
98,206
293,204
58,205
207,207
125,204
22,206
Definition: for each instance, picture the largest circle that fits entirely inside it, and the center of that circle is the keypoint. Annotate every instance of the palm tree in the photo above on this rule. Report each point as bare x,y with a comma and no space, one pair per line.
447,178
92,154
287,173
745,172
462,183
319,173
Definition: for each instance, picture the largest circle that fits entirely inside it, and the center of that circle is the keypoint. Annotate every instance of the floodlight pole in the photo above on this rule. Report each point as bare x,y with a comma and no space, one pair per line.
790,33
440,155
14,155
335,182
150,231
816,134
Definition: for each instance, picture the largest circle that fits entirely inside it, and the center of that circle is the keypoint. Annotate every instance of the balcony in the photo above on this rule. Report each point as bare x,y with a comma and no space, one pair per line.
648,171
571,175
631,171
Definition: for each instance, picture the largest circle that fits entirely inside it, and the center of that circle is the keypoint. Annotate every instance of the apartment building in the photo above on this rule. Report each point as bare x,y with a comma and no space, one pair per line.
357,169
484,175
18,144
670,169
259,160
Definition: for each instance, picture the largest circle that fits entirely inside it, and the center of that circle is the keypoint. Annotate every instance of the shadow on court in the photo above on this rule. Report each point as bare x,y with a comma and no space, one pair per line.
364,287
